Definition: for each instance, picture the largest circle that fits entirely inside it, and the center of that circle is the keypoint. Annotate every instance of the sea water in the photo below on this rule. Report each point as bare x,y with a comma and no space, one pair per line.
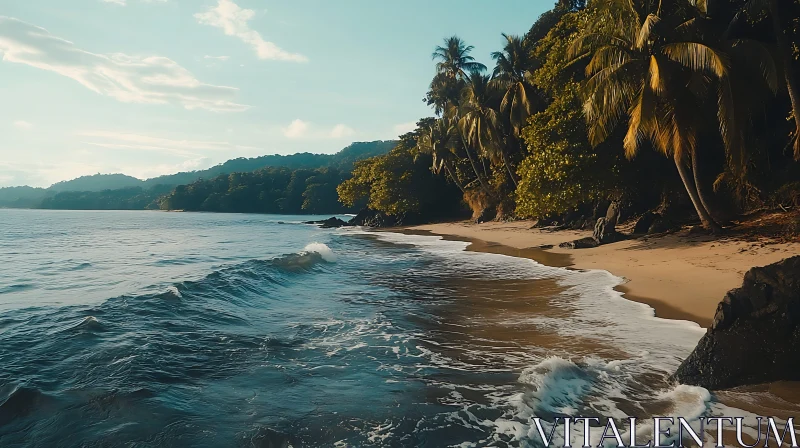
218,330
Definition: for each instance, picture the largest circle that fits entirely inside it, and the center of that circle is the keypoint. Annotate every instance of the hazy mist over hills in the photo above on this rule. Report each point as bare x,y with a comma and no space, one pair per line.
25,196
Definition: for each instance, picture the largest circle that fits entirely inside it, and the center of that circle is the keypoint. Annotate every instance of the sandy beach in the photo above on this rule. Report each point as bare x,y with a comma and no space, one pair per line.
682,276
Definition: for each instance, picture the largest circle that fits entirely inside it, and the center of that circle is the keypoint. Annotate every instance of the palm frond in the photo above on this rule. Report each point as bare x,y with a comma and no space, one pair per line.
606,56
643,37
697,56
587,43
753,51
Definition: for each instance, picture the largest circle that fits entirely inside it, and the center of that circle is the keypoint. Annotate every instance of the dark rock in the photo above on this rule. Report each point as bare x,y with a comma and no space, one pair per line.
544,222
661,224
485,215
373,218
612,215
546,246
600,209
583,243
605,233
330,223
697,230
755,336
370,218
644,222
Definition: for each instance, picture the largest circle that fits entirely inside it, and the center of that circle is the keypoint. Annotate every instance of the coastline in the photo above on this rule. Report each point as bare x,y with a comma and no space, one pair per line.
681,276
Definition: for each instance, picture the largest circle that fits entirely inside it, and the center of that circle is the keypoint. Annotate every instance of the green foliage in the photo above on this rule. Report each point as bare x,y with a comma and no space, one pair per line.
555,68
342,160
22,197
97,182
560,172
269,190
672,73
400,182
133,198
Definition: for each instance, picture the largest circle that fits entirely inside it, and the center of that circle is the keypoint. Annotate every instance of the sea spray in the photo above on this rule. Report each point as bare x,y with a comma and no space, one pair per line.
414,344
323,250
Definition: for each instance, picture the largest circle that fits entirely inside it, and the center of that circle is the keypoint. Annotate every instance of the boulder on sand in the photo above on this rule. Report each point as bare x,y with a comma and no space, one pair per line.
373,218
755,335
644,223
583,243
604,231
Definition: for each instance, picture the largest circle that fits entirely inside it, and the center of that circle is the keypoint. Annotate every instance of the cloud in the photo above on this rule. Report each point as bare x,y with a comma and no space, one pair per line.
130,141
233,21
43,174
404,128
299,129
296,129
24,125
217,58
341,131
130,79
147,172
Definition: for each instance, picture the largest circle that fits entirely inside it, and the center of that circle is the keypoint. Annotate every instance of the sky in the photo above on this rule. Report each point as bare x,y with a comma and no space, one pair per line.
152,87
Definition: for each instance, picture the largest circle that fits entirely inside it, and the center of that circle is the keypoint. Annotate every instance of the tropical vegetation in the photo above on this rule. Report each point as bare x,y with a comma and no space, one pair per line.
269,190
649,103
121,192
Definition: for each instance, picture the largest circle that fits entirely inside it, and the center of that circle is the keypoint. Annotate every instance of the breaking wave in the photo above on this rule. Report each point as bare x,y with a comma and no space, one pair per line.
355,339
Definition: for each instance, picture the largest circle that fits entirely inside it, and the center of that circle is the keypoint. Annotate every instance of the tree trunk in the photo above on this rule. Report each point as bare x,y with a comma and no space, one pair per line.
688,183
508,168
788,72
453,176
477,173
701,191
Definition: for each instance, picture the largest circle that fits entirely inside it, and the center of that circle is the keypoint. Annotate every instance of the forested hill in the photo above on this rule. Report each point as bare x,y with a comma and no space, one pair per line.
341,160
97,182
128,192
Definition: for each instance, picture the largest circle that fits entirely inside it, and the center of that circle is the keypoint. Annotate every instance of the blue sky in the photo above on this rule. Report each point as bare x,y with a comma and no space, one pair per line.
150,87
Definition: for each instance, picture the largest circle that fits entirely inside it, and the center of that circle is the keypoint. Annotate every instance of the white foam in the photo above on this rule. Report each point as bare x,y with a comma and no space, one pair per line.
323,250
558,385
596,311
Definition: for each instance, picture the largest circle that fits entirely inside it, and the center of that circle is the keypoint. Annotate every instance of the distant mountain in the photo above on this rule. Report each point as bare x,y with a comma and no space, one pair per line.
30,197
97,182
342,160
21,197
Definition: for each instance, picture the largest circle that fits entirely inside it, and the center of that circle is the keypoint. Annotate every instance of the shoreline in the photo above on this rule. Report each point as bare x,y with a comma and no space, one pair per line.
681,276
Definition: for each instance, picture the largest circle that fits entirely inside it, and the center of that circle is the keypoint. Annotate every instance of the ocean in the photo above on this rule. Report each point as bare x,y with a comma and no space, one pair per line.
233,330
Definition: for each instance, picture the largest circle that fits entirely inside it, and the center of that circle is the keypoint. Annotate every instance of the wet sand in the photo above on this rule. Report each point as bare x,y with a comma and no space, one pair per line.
681,276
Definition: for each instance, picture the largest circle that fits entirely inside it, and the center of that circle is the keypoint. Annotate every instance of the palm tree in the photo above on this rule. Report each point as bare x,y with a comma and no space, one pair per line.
480,123
646,66
454,59
453,65
771,7
512,73
443,92
439,140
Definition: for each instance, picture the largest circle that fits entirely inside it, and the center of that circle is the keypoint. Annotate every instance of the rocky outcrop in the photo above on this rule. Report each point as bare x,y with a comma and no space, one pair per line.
663,224
612,215
330,223
644,222
583,243
604,231
755,335
373,218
